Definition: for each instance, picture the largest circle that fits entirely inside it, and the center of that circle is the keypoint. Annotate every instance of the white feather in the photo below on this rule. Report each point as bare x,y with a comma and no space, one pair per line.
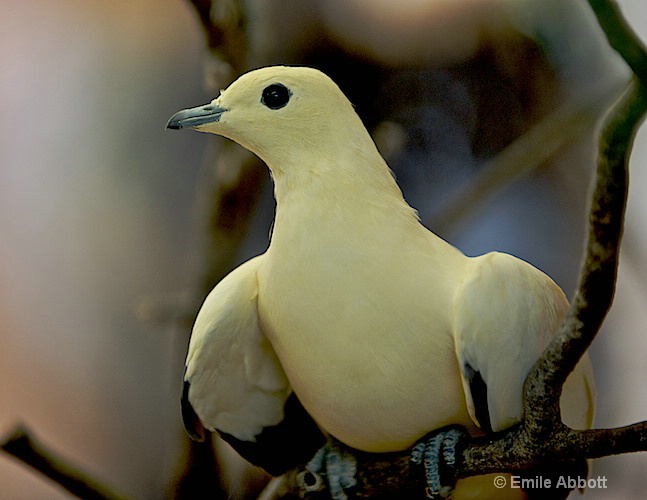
237,383
506,313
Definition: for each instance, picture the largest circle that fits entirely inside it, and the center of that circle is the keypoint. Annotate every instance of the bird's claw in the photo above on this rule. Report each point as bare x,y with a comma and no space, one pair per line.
333,466
437,453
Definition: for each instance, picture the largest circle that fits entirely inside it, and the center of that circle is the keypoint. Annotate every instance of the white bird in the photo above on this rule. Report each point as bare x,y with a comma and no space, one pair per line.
379,328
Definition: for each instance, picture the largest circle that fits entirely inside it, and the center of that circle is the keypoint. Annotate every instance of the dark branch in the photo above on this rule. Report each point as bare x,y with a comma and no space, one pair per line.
21,445
595,292
597,278
621,37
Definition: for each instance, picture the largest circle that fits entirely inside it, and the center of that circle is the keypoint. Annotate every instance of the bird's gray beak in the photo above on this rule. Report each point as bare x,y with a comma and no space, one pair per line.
194,117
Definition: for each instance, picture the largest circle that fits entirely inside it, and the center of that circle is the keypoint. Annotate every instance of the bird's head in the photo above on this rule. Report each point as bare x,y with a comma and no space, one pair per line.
285,115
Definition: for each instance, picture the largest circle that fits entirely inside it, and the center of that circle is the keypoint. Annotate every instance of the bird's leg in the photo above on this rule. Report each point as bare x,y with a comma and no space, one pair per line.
332,465
436,453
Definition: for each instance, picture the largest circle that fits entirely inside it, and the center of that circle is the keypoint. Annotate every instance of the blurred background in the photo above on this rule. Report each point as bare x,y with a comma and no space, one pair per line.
110,226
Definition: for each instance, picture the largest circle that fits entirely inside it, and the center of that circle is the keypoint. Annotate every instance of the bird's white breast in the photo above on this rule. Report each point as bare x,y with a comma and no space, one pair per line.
361,321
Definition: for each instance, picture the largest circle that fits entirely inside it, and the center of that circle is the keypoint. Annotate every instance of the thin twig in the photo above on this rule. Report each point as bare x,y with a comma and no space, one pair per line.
621,37
23,446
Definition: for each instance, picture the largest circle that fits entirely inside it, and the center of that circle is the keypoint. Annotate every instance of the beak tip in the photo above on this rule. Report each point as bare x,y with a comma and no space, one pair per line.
194,117
176,122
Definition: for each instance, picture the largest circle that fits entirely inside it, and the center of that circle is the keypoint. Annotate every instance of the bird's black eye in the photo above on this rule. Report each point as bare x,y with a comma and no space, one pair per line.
276,96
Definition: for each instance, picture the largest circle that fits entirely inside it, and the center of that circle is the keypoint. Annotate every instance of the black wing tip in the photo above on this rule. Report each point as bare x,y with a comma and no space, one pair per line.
192,424
478,388
279,448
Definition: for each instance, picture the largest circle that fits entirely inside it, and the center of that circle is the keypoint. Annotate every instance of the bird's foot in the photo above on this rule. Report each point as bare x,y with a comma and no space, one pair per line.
437,453
331,465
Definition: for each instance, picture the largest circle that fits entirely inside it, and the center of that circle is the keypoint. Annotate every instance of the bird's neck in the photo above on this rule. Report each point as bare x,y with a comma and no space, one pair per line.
339,200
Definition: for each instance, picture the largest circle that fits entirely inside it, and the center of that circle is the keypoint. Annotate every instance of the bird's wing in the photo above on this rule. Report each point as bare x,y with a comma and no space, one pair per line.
234,383
506,313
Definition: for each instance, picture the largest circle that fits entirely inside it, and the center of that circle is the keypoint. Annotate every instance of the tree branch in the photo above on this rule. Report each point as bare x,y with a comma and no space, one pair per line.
22,445
621,37
597,279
